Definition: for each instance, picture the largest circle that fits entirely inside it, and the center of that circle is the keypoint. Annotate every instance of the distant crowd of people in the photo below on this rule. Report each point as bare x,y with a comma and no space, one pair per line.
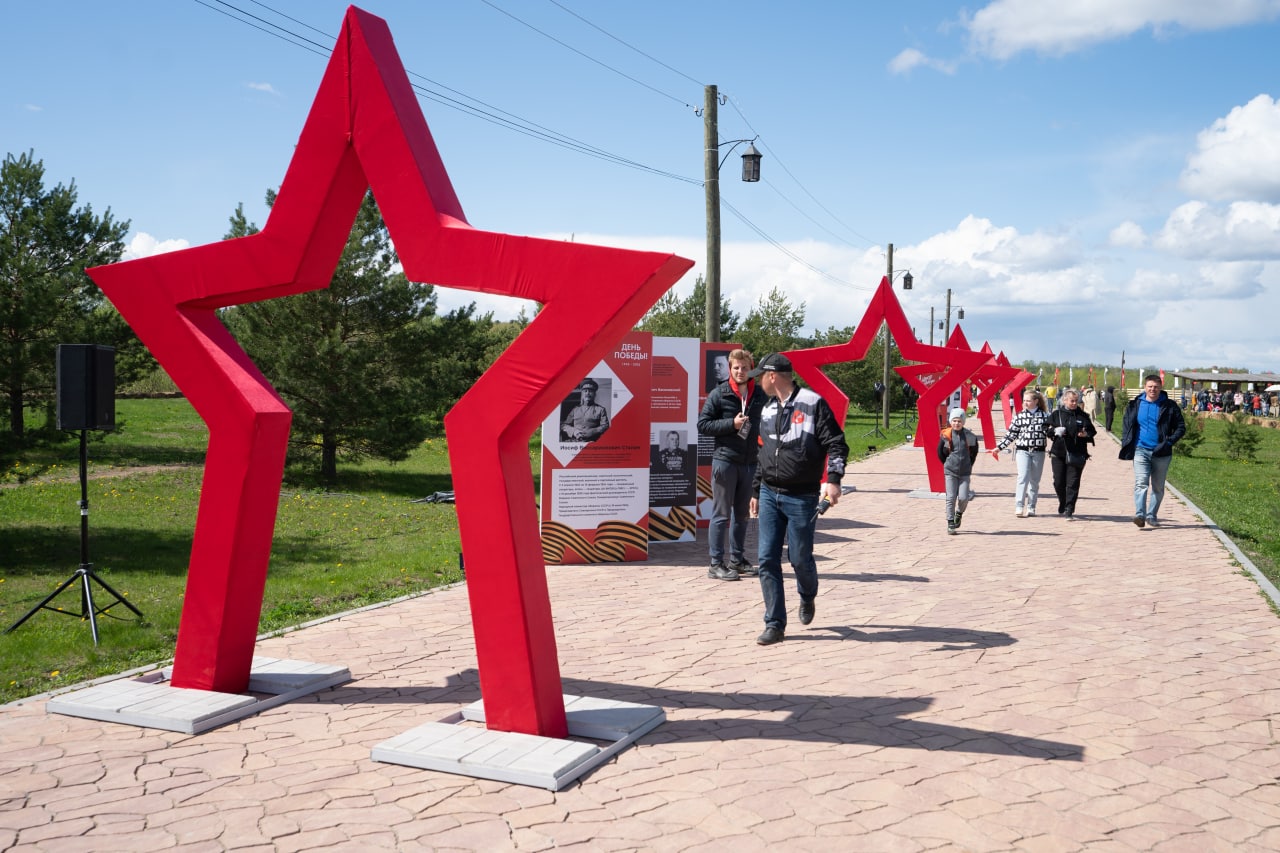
1257,403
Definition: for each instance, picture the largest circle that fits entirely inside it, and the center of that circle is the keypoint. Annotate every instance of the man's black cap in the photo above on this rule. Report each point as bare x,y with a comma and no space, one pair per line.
775,361
589,385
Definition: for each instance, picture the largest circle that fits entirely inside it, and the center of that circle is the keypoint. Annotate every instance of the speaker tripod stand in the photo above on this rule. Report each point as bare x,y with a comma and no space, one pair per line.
84,575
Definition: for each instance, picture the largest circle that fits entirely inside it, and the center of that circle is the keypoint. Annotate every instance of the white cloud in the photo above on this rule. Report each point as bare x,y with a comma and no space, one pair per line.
1238,157
1148,284
263,87
33,108
1038,295
1230,280
1005,28
1244,230
143,245
911,58
1127,235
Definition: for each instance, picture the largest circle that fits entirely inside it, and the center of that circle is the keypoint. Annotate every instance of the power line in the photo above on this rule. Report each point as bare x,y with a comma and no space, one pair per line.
626,44
485,111
736,108
467,104
569,47
283,34
790,254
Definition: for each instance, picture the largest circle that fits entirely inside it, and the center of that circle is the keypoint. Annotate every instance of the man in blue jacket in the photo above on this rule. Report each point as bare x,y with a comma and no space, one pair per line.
1152,426
800,442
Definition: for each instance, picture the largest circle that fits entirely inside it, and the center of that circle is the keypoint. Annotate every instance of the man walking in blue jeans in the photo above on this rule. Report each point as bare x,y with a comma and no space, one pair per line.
1152,426
731,415
800,440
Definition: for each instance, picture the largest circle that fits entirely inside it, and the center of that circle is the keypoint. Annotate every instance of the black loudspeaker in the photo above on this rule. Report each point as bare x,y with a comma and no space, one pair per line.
86,386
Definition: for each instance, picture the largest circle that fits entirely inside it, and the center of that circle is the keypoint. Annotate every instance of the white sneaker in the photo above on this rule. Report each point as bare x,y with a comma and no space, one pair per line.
1030,513
1019,512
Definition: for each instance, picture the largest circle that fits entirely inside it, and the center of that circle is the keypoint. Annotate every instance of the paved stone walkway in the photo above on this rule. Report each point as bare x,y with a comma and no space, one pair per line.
1031,684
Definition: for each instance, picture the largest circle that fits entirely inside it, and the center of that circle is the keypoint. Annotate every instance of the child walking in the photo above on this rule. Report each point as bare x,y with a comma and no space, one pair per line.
958,449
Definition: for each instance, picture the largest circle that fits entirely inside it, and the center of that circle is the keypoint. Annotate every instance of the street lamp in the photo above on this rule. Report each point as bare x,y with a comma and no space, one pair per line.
959,316
907,281
711,164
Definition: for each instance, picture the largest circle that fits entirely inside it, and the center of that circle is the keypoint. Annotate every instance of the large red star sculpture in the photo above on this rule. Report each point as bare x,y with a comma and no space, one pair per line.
366,130
951,366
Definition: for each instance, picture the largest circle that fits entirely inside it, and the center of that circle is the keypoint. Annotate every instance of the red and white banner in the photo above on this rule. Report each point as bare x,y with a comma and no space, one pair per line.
673,440
595,462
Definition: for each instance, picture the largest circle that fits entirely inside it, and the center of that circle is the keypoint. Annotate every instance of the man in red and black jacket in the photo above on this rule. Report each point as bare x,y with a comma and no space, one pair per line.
800,441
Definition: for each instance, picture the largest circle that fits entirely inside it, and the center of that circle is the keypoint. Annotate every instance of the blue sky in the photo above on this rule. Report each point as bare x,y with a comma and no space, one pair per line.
1086,177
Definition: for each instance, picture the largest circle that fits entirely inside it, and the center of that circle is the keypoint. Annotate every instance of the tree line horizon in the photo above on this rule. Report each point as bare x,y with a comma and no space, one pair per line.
368,365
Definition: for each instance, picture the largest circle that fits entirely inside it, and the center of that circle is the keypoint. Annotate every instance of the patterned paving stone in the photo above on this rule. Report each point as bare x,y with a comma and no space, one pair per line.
1020,686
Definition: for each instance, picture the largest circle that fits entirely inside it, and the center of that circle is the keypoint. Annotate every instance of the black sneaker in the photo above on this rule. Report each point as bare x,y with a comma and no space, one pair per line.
743,567
770,636
959,515
807,610
721,572
1140,521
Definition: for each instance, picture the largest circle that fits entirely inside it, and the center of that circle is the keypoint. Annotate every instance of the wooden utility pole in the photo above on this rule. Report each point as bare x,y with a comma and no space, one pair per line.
711,179
884,379
948,337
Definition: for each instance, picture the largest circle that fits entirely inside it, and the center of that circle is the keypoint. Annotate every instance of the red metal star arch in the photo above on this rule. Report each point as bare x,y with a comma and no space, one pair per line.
990,379
366,130
959,341
1012,391
951,367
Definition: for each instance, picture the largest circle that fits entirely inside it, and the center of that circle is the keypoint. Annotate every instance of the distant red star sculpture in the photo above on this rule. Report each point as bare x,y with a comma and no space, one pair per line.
366,130
951,367
1012,389
990,378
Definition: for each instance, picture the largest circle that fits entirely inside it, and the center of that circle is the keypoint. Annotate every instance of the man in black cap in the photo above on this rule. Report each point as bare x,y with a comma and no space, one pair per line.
798,433
585,421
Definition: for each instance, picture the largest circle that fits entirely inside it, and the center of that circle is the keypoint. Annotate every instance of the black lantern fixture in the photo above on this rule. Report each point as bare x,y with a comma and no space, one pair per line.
907,280
960,314
941,325
751,164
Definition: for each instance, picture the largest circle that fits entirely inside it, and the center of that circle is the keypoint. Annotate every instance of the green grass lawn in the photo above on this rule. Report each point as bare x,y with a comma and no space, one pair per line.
363,543
1243,498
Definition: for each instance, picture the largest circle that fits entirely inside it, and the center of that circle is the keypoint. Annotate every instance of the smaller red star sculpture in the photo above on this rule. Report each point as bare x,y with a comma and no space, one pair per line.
951,367
990,378
1012,390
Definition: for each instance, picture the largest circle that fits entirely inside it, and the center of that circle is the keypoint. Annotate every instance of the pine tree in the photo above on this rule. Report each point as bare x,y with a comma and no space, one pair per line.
674,317
774,325
46,242
359,361
1240,439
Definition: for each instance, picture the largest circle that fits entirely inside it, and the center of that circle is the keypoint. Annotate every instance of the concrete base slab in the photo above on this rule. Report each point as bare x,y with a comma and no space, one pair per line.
925,493
151,702
553,763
